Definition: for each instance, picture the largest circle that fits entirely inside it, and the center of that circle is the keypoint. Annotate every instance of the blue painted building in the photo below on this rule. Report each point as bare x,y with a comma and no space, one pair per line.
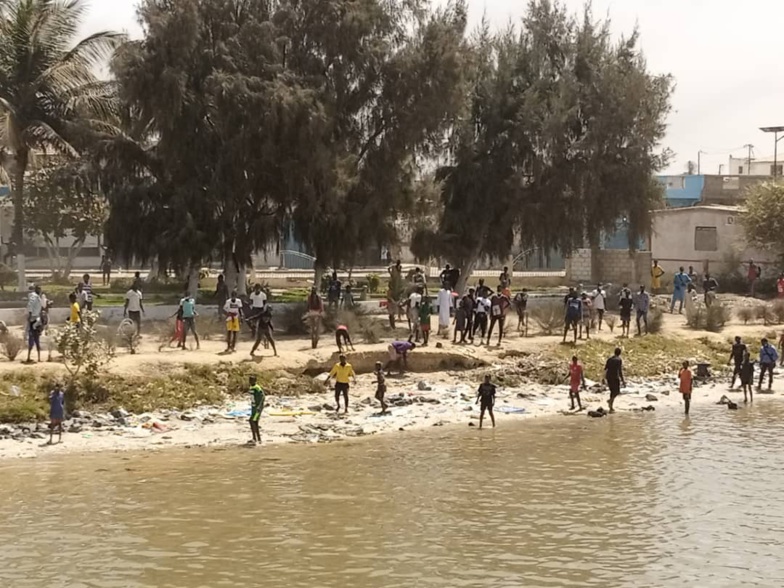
679,192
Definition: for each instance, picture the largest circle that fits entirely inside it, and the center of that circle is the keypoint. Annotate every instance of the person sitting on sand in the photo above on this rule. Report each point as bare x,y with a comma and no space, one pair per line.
56,412
381,387
685,386
398,354
342,372
486,394
613,376
256,406
343,338
576,380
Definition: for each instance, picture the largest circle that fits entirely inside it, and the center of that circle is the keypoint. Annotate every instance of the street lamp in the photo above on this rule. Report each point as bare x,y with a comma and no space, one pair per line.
776,139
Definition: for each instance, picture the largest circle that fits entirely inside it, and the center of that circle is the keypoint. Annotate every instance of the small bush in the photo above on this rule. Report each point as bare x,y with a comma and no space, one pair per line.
549,317
611,320
655,320
11,346
778,311
746,314
765,314
291,321
716,316
712,318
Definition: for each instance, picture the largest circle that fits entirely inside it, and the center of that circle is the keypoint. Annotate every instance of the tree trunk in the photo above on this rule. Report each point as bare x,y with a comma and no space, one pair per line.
242,280
230,273
20,164
466,269
193,280
318,270
153,273
73,252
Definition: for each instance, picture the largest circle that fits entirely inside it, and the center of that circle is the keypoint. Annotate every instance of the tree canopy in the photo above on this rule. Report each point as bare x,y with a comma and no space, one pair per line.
763,217
256,117
558,144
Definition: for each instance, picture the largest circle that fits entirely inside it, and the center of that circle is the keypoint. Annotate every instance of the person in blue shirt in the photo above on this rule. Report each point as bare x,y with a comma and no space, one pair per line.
56,412
188,306
767,359
680,283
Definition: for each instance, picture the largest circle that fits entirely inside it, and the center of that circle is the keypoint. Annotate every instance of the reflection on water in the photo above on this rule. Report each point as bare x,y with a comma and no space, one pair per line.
634,500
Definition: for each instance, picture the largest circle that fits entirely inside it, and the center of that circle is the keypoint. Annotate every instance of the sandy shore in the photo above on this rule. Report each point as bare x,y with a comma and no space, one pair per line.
445,400
440,390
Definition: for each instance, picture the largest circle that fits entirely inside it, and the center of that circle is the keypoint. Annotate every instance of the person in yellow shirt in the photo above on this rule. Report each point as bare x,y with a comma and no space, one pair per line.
76,312
656,275
341,371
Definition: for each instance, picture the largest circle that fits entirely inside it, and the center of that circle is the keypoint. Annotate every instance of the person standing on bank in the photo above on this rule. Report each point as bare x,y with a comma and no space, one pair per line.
381,387
134,308
188,306
233,311
576,381
747,377
738,352
680,283
256,406
56,412
625,304
643,305
598,300
486,395
342,372
685,385
613,376
768,358
656,275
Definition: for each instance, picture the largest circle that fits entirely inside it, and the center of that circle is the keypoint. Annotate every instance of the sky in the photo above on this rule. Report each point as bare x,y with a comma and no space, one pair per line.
725,56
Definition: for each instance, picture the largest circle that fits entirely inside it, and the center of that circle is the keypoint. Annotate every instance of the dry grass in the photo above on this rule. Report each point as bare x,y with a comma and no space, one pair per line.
11,345
644,357
746,314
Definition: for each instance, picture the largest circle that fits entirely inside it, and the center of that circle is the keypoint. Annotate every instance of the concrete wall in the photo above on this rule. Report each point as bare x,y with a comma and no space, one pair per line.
613,266
673,239
728,190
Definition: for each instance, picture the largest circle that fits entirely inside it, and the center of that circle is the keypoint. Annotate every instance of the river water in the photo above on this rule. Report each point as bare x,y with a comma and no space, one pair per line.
632,500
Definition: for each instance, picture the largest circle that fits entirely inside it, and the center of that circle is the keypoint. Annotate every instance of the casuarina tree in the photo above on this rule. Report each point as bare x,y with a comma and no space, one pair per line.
558,146
50,95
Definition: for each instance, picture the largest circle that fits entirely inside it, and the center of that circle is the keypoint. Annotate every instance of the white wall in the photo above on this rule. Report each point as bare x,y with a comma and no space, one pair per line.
672,241
761,167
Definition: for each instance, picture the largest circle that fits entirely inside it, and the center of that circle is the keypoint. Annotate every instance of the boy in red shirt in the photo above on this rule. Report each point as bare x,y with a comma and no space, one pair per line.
576,380
685,387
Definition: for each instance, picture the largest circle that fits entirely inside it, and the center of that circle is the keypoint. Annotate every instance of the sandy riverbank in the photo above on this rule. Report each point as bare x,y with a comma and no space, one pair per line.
449,401
449,376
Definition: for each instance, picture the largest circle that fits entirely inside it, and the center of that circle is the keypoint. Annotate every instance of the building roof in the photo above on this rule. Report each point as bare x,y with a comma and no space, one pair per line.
702,208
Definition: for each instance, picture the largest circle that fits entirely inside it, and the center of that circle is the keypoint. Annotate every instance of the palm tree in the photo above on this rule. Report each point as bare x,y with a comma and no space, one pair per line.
50,96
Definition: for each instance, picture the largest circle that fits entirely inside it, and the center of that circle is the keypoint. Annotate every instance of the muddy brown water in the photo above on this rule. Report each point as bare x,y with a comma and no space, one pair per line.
629,501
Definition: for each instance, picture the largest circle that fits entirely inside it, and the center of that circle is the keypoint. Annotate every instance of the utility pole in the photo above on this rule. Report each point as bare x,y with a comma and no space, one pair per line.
749,147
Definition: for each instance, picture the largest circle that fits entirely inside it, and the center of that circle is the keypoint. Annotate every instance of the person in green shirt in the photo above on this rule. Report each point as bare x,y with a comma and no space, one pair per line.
256,406
425,311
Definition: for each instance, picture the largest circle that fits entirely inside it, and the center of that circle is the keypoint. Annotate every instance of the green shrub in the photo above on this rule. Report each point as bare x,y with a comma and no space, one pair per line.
716,316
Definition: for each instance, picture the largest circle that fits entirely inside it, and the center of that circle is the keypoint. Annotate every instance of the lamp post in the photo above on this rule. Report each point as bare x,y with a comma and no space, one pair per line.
776,139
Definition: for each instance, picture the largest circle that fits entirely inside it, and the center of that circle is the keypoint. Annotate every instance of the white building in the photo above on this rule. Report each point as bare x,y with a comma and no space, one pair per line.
701,236
742,166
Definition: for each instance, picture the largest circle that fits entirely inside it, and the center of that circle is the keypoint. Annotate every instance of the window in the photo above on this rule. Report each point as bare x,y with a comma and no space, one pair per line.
740,170
775,170
706,239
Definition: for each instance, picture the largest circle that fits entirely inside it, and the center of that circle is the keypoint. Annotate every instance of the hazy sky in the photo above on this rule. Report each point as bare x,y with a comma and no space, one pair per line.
726,57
